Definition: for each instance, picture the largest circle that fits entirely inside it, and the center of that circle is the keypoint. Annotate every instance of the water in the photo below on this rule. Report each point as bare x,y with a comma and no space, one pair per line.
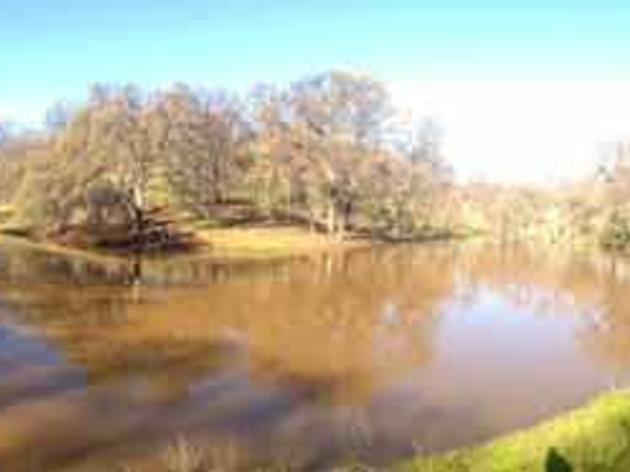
369,355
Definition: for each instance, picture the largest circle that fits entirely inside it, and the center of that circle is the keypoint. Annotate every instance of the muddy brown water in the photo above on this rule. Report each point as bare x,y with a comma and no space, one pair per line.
369,355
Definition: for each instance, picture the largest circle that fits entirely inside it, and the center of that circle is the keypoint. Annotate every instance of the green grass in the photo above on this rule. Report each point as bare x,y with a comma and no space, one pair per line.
593,438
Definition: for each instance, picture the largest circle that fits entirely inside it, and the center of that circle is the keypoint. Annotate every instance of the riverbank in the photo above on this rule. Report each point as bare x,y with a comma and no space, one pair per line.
595,437
222,237
221,243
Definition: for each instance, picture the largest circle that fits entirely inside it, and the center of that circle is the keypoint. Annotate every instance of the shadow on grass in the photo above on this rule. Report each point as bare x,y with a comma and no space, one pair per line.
556,463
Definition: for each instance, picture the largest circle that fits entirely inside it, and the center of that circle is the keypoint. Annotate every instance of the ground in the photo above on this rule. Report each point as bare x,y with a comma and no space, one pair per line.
271,241
207,238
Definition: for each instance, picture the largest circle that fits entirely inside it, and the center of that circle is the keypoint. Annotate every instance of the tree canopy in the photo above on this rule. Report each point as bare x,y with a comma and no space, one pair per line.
324,150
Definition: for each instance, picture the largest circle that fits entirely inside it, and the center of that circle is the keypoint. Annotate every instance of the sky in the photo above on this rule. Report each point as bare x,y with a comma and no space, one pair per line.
523,90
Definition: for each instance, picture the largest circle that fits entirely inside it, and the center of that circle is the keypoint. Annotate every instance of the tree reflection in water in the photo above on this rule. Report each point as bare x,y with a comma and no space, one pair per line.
368,353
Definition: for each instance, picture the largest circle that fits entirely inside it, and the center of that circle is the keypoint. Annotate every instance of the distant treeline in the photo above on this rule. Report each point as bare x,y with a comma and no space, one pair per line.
329,151
594,211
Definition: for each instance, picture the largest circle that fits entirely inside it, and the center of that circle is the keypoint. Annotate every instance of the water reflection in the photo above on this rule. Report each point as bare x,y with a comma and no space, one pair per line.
370,354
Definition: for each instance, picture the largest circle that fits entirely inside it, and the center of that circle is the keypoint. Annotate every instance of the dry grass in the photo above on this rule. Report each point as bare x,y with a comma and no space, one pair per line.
51,247
272,241
6,213
181,456
211,238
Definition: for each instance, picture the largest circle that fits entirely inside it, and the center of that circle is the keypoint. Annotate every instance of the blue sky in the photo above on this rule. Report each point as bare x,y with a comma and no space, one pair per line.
54,49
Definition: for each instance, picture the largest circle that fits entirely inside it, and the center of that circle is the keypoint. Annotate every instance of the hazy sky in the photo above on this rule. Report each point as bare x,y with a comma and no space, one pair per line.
524,90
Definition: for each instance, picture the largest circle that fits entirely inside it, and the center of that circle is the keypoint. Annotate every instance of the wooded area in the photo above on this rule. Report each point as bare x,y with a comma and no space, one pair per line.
329,152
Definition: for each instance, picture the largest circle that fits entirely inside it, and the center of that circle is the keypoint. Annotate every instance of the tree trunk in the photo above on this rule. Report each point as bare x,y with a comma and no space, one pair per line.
331,218
341,226
138,223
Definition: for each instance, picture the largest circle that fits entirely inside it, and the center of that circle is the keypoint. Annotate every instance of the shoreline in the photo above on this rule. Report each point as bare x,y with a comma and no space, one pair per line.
221,244
594,436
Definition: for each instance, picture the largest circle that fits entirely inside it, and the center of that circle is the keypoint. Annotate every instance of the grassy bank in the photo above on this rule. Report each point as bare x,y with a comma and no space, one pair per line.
593,438
234,232
228,243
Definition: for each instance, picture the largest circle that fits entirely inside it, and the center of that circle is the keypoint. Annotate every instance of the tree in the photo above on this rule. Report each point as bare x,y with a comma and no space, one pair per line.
103,156
320,151
207,135
339,121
